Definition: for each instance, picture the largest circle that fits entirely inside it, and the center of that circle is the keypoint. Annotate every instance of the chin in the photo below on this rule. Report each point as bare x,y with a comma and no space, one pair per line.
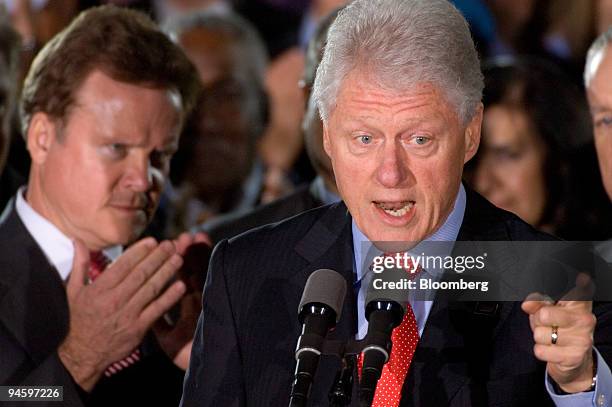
392,238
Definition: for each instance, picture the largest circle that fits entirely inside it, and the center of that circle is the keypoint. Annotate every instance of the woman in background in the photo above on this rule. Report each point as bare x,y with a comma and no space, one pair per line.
536,157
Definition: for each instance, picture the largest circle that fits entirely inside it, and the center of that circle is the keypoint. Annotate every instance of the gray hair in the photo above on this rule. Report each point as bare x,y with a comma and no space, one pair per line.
595,55
250,46
403,43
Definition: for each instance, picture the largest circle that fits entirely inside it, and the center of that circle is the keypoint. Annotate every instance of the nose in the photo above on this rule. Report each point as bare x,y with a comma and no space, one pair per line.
139,175
393,171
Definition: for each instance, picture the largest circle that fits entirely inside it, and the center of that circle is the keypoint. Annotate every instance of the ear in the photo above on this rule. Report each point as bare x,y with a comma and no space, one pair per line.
472,134
40,137
326,141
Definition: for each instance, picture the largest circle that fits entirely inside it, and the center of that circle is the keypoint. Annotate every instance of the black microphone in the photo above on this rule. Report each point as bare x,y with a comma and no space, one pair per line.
319,311
384,311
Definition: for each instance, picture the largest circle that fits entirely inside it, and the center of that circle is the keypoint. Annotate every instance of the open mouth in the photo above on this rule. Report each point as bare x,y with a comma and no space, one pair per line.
395,209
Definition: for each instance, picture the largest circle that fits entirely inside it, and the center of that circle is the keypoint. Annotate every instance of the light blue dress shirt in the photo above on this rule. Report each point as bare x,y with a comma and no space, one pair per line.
448,233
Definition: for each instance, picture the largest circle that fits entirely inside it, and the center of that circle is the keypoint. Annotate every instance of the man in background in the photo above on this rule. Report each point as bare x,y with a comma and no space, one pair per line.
322,190
217,169
598,83
9,56
101,111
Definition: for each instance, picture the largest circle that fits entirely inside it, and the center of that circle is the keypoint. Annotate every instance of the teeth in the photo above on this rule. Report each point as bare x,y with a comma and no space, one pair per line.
397,212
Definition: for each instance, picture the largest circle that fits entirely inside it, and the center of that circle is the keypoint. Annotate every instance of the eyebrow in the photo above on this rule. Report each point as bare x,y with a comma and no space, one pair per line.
599,109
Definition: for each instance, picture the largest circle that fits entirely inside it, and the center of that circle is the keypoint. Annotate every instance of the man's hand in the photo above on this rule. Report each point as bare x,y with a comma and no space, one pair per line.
176,338
570,360
109,317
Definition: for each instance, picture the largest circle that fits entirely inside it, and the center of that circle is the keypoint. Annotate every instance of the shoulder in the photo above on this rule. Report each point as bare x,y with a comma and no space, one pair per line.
233,224
484,221
289,232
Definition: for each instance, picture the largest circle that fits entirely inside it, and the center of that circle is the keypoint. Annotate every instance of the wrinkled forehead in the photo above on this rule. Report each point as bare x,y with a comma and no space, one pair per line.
369,87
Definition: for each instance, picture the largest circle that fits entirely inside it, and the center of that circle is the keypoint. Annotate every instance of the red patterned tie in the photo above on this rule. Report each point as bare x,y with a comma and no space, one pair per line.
405,339
97,263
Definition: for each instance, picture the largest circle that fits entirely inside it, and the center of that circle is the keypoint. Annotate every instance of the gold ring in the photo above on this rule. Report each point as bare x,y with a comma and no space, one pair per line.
554,335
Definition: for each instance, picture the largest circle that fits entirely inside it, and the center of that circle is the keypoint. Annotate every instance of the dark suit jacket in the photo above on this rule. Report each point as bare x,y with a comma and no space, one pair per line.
244,347
34,321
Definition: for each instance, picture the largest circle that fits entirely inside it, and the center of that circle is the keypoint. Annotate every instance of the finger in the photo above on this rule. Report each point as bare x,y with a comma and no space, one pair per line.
555,315
154,286
80,266
163,303
565,337
123,266
549,353
583,291
144,270
534,302
202,237
183,242
543,335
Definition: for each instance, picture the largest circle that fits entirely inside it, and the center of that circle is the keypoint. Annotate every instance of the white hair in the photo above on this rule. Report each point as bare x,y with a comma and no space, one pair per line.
402,43
595,56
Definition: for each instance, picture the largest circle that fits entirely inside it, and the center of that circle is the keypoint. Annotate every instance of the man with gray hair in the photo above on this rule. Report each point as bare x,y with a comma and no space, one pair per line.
598,83
399,92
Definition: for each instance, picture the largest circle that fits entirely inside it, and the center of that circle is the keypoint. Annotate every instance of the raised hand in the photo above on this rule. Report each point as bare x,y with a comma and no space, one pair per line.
569,357
109,317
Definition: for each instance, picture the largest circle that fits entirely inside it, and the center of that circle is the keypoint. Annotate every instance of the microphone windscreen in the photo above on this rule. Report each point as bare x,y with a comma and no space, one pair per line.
327,287
383,293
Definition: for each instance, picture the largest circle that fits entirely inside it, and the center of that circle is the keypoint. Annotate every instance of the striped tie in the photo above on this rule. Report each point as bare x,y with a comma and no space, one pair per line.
98,262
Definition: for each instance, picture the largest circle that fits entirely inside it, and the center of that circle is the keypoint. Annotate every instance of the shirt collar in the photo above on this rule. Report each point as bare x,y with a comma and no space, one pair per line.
448,232
56,246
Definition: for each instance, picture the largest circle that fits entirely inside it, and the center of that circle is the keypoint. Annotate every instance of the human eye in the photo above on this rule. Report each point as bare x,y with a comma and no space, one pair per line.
115,150
421,140
605,121
364,139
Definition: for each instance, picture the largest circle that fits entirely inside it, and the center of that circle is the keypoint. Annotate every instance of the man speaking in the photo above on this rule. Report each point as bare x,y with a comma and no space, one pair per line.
399,92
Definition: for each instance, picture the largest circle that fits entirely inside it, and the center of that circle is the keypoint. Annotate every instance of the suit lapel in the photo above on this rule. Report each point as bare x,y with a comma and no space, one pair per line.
33,304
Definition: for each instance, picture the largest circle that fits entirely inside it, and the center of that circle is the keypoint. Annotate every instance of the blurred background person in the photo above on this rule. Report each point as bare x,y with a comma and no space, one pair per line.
535,157
166,10
598,83
216,169
603,15
10,45
321,190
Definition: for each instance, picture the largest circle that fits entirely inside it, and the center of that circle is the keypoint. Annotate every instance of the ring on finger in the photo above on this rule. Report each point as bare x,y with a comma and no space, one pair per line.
554,335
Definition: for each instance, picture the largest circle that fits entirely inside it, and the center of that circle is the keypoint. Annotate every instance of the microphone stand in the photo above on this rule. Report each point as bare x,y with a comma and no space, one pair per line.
342,389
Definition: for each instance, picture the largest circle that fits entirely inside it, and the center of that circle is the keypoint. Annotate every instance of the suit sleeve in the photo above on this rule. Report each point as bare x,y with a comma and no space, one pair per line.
214,377
50,372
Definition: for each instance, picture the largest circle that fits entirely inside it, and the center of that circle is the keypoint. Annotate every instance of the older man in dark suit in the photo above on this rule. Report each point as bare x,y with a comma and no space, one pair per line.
399,91
102,109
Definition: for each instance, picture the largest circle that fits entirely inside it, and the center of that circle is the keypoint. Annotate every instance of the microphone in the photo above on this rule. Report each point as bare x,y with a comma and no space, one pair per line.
384,311
318,312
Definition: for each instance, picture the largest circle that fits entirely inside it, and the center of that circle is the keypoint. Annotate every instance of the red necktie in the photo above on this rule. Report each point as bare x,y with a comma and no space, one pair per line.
97,264
405,339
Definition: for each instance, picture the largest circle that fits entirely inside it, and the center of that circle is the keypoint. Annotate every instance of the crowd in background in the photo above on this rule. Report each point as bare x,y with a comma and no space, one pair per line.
244,146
